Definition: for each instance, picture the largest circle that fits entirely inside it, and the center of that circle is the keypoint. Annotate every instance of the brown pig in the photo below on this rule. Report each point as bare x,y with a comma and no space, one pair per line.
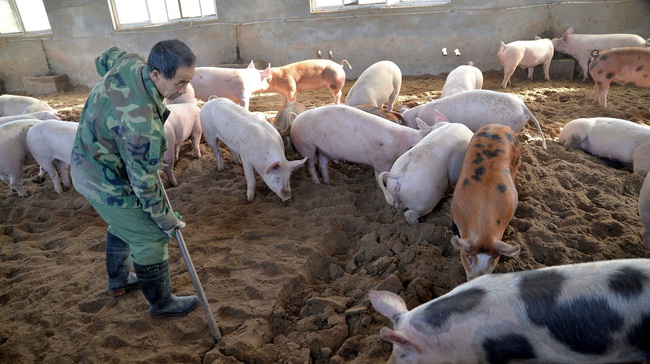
626,66
485,199
310,74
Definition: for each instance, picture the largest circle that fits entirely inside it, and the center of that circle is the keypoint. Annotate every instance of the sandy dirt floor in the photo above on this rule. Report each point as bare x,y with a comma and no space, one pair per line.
288,283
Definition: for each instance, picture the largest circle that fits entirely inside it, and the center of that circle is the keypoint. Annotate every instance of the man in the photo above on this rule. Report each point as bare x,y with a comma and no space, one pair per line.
116,156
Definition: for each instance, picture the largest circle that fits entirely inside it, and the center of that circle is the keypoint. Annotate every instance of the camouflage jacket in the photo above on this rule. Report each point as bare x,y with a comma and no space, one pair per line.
118,148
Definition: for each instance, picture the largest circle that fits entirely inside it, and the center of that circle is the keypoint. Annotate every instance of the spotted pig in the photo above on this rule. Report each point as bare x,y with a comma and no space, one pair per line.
485,199
579,313
625,66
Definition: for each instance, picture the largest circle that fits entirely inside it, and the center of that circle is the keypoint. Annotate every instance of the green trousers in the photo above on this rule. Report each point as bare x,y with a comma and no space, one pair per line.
149,244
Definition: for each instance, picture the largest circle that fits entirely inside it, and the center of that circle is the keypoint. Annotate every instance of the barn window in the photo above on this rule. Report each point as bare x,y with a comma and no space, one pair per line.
23,17
318,6
137,13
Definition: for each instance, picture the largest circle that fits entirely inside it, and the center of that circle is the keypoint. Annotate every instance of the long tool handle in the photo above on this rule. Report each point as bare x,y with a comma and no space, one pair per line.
212,324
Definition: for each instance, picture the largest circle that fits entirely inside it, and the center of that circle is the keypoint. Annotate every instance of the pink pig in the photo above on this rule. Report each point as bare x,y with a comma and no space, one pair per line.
342,132
580,46
627,66
310,74
525,54
230,82
183,122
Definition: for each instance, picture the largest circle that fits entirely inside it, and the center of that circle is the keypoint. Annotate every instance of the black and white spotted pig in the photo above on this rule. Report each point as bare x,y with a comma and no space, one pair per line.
581,313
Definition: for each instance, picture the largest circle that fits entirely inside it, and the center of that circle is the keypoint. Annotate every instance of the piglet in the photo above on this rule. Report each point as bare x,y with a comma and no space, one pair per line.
18,105
626,66
183,122
485,199
525,54
580,313
232,83
580,46
14,152
462,78
283,120
50,143
476,108
378,84
419,178
618,139
311,74
255,141
342,132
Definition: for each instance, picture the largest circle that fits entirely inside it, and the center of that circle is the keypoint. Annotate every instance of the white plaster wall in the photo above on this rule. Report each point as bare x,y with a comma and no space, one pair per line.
284,31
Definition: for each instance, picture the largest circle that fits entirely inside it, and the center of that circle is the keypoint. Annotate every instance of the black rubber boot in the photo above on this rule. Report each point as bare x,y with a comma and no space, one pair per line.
156,286
118,266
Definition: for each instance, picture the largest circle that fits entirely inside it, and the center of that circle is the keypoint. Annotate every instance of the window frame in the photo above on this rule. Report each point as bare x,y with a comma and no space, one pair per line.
383,4
15,11
119,26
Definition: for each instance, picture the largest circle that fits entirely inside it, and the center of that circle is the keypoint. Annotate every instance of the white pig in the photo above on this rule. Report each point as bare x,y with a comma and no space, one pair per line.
342,132
644,210
378,84
420,177
254,140
239,83
525,54
476,108
18,105
50,143
41,115
617,139
183,122
580,313
14,152
462,78
580,46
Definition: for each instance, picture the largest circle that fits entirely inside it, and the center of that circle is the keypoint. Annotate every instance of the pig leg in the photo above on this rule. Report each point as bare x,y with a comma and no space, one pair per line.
249,173
169,171
54,176
600,90
213,142
323,162
547,66
641,158
507,73
583,68
337,95
16,182
196,139
530,73
41,176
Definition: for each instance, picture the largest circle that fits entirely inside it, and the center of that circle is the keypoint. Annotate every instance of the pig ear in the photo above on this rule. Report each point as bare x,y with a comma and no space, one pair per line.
399,339
506,249
213,97
422,125
461,244
267,72
251,65
297,164
273,166
388,304
439,118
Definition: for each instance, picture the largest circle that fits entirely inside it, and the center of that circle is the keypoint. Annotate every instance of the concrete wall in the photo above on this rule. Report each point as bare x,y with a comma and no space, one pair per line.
284,31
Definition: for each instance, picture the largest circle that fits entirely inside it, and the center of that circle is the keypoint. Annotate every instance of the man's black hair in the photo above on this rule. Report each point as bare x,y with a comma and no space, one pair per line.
167,56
